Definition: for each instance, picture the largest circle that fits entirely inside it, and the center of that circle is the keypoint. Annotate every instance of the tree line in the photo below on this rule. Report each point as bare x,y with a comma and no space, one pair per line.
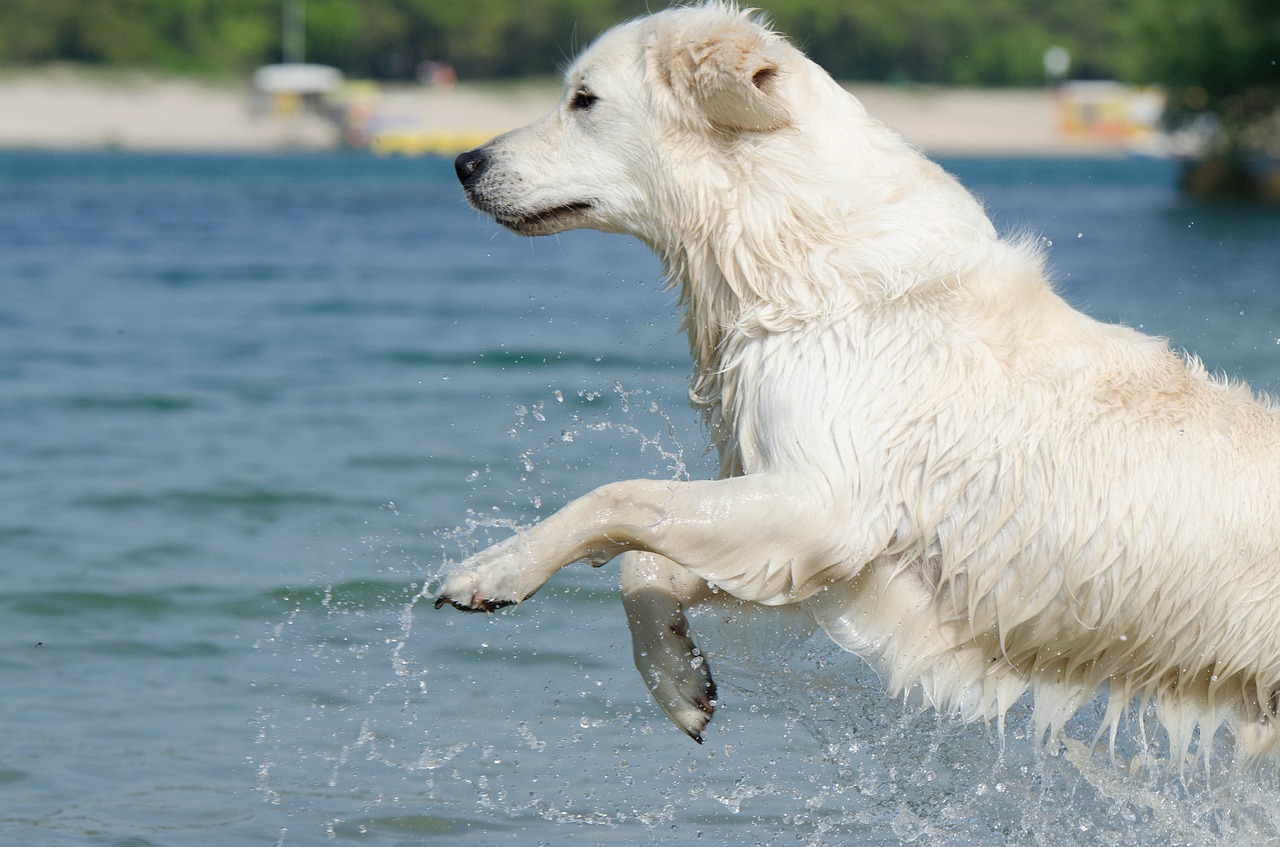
1217,44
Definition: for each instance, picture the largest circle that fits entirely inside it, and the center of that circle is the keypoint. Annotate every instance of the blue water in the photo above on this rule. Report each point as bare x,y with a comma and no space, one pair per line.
250,405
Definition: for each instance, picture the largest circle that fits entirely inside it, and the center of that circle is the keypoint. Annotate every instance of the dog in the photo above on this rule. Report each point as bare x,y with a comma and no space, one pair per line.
978,489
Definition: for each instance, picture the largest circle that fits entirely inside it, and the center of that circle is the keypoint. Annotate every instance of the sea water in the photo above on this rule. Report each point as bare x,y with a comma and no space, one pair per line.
249,406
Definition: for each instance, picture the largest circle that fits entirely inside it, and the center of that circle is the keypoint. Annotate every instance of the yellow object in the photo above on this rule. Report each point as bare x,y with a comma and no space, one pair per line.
1108,112
286,103
418,142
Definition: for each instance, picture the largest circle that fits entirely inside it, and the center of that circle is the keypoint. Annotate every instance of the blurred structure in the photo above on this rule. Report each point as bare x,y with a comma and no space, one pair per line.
437,74
436,119
1111,114
287,89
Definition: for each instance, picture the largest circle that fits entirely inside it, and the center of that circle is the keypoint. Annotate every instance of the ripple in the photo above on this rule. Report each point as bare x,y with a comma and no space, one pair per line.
144,403
258,503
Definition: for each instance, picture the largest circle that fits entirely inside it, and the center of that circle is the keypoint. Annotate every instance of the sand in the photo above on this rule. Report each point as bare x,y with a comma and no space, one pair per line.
64,109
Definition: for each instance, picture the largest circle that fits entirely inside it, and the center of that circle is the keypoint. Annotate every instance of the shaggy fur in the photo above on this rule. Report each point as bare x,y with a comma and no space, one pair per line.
951,471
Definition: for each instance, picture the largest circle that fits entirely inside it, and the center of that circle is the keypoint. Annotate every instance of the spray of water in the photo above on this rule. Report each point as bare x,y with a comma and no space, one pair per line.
806,749
933,780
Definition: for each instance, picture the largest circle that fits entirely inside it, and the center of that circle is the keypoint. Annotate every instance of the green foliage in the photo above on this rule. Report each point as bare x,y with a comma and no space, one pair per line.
183,35
959,42
1221,46
1220,59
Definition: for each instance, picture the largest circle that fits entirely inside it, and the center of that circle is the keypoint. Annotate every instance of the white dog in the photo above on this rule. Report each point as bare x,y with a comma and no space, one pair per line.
951,471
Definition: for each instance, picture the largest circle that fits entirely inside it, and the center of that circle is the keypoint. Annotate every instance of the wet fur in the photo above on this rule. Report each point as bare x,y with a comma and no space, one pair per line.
955,474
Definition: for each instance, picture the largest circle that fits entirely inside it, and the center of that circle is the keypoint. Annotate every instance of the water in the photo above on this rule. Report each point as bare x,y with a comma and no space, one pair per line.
248,406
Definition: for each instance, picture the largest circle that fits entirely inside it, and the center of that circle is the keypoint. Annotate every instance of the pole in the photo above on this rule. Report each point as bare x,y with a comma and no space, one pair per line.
293,25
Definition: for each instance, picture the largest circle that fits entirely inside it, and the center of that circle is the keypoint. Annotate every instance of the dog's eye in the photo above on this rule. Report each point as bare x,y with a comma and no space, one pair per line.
582,100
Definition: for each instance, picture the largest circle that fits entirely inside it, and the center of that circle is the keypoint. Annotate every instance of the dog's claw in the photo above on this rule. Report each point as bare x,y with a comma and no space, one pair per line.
681,685
475,604
693,725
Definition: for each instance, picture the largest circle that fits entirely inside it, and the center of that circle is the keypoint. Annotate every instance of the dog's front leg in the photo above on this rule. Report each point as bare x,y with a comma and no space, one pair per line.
761,537
655,593
513,569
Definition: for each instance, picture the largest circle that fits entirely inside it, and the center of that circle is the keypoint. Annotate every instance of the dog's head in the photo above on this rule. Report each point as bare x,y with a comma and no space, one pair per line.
647,96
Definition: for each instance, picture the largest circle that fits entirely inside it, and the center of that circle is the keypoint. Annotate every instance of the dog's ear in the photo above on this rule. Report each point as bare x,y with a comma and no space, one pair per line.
733,79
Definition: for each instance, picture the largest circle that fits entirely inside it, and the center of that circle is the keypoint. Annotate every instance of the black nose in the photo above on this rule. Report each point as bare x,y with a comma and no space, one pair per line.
470,165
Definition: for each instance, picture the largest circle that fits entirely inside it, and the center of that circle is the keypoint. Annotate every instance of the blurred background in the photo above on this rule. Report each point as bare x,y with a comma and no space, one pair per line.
1185,78
263,374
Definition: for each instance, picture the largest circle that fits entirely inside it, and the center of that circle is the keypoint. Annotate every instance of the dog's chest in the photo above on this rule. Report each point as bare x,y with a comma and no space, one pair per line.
794,398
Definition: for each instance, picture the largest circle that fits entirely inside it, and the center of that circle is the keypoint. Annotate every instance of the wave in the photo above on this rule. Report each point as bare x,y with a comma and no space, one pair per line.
267,504
420,357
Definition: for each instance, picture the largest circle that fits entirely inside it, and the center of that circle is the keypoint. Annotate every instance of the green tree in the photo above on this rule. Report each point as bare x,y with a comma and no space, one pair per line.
1221,62
183,35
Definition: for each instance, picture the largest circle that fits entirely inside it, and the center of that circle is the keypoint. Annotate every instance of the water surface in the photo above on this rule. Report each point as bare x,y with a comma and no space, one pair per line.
249,406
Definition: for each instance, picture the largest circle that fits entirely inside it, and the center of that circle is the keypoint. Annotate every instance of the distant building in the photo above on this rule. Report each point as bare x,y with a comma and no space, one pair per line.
294,86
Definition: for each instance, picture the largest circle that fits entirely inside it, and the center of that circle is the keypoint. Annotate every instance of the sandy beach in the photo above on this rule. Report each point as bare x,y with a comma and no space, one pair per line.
65,109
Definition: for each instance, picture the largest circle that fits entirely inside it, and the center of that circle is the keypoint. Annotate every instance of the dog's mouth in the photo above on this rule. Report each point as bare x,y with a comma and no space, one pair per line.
543,221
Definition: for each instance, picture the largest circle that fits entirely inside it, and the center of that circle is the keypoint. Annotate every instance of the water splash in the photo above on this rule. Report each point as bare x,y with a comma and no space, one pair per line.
559,442
932,780
534,727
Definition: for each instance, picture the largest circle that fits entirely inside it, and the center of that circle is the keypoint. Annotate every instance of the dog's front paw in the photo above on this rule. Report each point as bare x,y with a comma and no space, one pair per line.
491,579
676,673
470,600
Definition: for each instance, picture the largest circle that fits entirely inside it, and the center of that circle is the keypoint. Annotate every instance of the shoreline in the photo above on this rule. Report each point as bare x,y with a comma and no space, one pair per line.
68,109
